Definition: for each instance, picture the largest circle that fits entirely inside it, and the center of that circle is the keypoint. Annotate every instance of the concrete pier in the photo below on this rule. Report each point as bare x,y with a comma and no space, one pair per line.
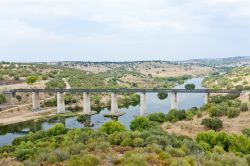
86,104
114,103
173,100
143,104
35,101
206,98
114,106
60,102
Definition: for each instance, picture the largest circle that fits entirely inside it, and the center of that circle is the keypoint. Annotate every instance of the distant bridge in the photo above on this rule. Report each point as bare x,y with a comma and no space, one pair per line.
114,99
122,90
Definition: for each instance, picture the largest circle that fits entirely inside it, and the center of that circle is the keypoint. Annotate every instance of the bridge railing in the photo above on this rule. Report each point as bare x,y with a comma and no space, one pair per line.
126,90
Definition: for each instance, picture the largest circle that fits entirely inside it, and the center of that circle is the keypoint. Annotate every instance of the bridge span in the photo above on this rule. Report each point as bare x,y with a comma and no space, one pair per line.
114,94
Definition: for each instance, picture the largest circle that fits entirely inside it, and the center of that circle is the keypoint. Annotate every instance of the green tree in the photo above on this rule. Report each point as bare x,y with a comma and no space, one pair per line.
212,123
140,123
190,86
31,80
111,127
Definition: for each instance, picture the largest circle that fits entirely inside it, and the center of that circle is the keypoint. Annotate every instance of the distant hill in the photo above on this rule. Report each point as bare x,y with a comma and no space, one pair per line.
232,61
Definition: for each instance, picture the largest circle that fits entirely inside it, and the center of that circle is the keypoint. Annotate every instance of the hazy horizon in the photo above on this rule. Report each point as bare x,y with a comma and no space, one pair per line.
154,60
123,30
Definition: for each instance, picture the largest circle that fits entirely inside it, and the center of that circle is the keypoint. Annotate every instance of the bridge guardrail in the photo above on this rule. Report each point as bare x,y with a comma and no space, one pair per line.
13,91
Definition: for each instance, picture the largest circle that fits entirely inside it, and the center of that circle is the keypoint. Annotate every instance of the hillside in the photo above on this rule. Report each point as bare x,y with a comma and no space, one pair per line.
222,62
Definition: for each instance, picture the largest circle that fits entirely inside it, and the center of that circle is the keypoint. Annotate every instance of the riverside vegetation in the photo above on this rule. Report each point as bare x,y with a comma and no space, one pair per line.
112,144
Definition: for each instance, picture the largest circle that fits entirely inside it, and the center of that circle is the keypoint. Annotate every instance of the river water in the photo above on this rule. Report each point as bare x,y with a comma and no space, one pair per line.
154,104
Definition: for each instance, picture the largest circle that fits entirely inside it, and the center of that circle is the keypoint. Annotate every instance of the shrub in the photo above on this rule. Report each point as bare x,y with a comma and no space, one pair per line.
243,107
135,159
233,112
61,155
127,138
229,142
55,83
217,110
25,151
175,115
86,160
247,88
110,127
140,123
246,131
50,102
2,99
76,148
239,87
57,129
18,97
190,86
82,118
31,79
158,117
212,123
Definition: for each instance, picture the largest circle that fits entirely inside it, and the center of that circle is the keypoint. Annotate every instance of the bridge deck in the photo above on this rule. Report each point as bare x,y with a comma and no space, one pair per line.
126,90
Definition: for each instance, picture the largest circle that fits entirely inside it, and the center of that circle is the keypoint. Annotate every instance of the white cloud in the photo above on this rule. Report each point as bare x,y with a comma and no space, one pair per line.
133,21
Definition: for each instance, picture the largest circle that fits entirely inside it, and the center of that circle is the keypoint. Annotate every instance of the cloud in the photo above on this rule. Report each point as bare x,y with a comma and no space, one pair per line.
124,24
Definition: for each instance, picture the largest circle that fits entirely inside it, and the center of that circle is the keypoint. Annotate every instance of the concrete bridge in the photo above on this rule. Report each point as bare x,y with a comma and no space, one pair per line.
114,94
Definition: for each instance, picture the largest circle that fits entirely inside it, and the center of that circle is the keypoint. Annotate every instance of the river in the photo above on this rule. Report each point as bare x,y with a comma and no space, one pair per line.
154,104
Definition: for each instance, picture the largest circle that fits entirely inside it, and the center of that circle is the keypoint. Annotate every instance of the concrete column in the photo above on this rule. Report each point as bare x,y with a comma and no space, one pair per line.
206,98
173,100
86,103
60,102
143,104
35,101
114,103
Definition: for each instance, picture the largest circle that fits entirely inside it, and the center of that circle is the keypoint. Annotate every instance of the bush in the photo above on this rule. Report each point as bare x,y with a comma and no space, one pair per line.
111,127
233,112
31,79
82,118
246,131
25,151
190,86
140,123
175,115
127,138
57,129
239,87
2,99
86,160
212,123
158,117
135,159
243,107
229,142
217,110
55,83
18,97
50,102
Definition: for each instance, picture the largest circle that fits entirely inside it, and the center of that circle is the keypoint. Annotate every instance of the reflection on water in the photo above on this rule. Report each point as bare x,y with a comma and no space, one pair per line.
9,132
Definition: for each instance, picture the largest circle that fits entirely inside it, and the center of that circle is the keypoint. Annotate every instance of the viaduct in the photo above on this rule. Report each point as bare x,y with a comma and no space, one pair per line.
114,102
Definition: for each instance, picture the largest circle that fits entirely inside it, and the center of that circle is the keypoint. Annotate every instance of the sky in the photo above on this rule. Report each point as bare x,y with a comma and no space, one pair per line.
123,30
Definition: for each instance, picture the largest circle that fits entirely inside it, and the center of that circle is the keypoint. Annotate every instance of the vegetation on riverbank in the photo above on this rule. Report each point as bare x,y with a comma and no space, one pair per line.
145,144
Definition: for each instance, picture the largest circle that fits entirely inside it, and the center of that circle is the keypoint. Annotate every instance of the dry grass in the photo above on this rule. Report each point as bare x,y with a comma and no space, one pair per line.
193,127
